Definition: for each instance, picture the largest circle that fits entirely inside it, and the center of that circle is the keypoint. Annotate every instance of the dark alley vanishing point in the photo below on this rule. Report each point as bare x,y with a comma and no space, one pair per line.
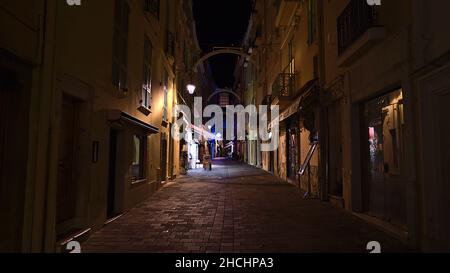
236,208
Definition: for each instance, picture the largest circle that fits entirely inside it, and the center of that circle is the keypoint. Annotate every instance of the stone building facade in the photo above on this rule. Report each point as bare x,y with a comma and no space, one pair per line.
94,87
368,86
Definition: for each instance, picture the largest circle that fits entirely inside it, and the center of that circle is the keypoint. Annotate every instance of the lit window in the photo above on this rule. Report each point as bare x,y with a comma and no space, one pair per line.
166,97
139,145
147,77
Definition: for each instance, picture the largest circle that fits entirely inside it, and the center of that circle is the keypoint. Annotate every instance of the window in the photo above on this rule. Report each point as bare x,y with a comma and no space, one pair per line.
284,85
186,56
184,53
152,6
166,97
147,80
170,43
181,85
312,21
291,60
120,45
139,146
316,66
170,37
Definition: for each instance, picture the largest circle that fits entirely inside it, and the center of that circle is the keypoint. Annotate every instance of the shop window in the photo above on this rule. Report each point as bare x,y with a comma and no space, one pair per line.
386,134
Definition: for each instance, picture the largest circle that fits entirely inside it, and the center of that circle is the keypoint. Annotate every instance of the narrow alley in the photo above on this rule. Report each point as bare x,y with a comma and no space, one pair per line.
224,126
236,208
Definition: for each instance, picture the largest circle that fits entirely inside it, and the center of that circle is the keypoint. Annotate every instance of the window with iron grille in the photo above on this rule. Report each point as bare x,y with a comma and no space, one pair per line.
152,6
353,22
120,44
284,85
147,77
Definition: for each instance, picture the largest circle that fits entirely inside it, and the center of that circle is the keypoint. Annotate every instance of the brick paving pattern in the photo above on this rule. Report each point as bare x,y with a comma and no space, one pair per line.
236,209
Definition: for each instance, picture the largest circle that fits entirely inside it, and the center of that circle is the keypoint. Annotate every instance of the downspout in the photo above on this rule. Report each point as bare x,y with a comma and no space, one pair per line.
324,136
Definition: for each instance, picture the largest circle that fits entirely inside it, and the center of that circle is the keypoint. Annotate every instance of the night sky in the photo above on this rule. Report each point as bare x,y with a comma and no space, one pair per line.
222,23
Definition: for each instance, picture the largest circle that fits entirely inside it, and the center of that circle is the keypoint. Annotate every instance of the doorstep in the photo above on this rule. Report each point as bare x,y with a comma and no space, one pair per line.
391,229
113,219
79,235
336,201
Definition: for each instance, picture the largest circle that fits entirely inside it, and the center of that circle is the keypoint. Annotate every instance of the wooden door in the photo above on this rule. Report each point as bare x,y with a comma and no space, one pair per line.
68,160
112,175
435,131
292,154
163,157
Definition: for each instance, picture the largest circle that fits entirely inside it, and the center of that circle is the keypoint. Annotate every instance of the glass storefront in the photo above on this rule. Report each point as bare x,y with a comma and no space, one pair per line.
384,117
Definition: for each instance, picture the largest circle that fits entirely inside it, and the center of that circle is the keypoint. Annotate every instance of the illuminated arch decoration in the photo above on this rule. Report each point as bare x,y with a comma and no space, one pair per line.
224,50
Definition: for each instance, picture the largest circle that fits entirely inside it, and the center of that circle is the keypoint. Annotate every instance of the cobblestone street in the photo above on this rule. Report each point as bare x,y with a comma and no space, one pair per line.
236,208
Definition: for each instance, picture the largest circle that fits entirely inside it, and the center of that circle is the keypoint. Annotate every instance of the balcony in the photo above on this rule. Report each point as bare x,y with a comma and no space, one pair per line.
357,31
284,86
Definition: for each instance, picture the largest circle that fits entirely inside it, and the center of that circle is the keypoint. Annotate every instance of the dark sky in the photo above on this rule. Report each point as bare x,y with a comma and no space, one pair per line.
222,23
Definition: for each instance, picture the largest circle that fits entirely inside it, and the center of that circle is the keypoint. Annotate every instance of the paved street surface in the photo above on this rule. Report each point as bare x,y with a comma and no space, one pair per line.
236,208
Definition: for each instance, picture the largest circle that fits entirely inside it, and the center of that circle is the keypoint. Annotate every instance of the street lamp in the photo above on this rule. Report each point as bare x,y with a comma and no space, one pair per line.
191,88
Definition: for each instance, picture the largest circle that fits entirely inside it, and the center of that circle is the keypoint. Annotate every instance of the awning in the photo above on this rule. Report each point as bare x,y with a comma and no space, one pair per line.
117,115
292,109
304,97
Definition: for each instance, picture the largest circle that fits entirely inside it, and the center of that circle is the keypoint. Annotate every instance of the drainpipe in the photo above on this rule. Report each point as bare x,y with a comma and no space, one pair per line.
323,116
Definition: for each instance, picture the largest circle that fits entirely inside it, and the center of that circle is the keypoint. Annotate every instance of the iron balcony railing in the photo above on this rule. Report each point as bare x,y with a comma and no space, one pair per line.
353,22
284,85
